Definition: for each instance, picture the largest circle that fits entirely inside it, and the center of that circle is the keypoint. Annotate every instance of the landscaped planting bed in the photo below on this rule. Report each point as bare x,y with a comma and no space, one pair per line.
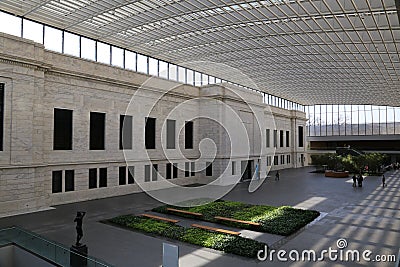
274,220
228,243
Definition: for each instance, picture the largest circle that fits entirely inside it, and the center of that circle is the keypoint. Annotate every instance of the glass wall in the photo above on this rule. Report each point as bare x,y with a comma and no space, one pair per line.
328,120
80,46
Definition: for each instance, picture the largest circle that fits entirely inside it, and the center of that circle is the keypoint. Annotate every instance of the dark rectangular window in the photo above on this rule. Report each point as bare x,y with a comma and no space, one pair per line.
154,172
171,134
282,159
281,138
56,182
1,115
69,180
147,173
97,130
288,159
175,170
276,162
233,167
186,169
122,175
268,137
92,178
189,135
192,171
125,132
103,177
131,174
150,133
62,135
287,139
275,138
209,169
301,136
169,170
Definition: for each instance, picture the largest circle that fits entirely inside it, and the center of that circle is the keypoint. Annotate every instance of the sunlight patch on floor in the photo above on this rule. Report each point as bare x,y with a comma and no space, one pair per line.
309,203
200,257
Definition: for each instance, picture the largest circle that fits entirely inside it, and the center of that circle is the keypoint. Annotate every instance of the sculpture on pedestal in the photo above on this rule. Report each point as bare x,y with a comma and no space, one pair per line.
79,230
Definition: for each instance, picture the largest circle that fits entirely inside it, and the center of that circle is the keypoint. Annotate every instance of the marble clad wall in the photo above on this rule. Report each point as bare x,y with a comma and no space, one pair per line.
37,81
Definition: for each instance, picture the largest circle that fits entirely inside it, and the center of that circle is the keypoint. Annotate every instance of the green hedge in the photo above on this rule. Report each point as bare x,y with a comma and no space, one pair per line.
275,220
228,243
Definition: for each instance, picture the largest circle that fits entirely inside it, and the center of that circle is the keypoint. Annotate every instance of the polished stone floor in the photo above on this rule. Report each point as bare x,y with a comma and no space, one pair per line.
366,218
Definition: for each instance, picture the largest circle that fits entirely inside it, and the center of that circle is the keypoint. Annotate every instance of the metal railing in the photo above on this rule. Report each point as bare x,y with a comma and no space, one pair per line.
49,250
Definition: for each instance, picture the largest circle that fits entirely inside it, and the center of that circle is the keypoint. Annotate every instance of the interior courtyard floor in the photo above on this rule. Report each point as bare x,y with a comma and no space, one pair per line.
367,218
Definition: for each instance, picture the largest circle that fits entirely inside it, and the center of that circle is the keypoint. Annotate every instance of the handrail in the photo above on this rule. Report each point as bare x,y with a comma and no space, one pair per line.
49,250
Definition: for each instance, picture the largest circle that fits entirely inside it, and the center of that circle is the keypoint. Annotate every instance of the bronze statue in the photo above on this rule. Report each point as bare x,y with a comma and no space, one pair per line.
79,231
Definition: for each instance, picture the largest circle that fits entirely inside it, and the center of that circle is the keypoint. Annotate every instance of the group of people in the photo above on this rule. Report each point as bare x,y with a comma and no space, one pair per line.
357,180
393,166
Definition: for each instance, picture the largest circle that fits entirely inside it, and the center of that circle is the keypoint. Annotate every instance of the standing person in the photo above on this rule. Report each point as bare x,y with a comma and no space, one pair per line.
257,172
277,176
360,180
354,180
383,181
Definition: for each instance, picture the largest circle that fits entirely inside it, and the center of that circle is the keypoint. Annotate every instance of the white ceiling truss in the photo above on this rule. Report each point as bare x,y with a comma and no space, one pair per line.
308,51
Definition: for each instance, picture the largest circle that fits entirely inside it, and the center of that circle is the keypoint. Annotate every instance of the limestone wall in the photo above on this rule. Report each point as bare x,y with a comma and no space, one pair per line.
37,81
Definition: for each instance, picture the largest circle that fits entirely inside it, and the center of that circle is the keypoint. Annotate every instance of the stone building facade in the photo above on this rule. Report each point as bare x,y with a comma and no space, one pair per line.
64,118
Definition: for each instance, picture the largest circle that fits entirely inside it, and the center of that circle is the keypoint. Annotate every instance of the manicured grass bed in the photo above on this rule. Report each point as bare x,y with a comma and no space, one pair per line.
275,220
228,243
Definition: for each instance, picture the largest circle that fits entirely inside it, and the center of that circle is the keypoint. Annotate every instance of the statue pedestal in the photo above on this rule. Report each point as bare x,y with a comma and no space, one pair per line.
78,256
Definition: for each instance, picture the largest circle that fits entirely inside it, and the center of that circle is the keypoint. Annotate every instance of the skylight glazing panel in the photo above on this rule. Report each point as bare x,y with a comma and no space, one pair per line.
369,22
62,6
117,56
381,21
334,6
53,39
33,31
142,63
153,66
387,37
88,48
104,19
197,78
361,5
285,38
53,10
18,7
204,79
103,53
71,44
130,60
129,10
13,26
190,76
163,69
173,72
150,4
181,74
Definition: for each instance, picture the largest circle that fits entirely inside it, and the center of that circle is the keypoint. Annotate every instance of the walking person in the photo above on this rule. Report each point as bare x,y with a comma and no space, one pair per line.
354,180
383,180
277,176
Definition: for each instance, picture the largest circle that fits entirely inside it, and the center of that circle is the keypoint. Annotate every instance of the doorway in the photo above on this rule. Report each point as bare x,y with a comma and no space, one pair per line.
247,169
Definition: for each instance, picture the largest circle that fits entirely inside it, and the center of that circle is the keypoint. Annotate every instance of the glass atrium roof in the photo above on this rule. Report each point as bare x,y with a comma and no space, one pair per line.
308,51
